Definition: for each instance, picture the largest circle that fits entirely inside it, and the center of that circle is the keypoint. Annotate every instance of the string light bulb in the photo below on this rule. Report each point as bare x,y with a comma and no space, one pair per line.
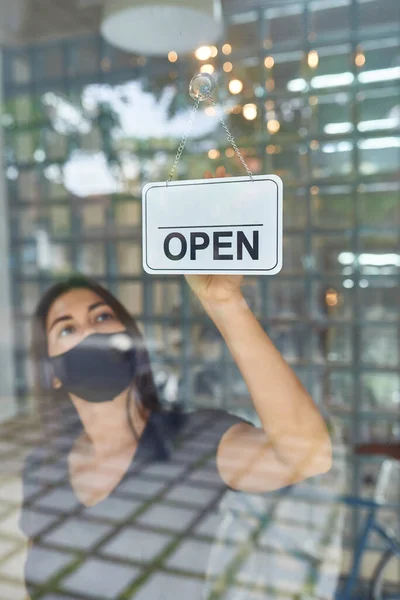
360,59
269,62
227,66
226,49
313,59
207,69
203,53
250,111
273,126
235,86
213,154
172,56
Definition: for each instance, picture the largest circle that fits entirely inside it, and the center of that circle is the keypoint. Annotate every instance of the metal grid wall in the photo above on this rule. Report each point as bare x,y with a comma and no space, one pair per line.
333,311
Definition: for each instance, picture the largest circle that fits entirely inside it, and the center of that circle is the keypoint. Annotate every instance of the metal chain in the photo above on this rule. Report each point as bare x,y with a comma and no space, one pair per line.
184,139
231,139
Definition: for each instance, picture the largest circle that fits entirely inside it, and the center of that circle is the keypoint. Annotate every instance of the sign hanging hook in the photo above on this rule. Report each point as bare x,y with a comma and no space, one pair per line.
201,88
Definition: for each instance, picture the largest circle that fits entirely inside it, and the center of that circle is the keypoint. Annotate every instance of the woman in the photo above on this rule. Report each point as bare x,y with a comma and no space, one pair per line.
120,466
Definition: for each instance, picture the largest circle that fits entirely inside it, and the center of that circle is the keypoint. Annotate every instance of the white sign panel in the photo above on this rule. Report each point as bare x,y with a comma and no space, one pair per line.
216,226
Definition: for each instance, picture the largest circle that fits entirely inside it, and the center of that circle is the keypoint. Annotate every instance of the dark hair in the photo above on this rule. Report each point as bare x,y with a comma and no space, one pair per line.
50,400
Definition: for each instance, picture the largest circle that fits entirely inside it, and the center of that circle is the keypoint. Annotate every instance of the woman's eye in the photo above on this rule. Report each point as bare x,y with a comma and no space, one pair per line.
104,317
66,331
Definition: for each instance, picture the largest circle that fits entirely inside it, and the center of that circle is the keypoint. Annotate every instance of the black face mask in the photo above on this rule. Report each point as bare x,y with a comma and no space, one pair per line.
99,368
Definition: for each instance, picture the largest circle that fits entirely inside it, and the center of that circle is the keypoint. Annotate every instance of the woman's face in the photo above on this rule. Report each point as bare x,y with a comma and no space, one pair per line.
74,316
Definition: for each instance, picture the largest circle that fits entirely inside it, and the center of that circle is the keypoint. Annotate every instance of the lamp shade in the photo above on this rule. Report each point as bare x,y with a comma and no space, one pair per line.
155,27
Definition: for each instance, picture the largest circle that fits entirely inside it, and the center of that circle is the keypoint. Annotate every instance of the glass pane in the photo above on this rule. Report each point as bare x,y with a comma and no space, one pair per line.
295,209
333,68
49,62
286,299
205,343
21,67
61,258
83,58
333,207
292,340
23,109
294,252
329,23
378,205
25,145
29,294
379,155
286,71
380,346
378,255
289,162
120,59
92,141
93,216
328,250
29,187
335,344
131,296
129,258
290,113
166,299
378,110
60,219
245,35
381,392
380,301
55,145
28,259
128,213
331,114
333,159
378,16
92,259
27,221
251,292
330,300
285,26
340,391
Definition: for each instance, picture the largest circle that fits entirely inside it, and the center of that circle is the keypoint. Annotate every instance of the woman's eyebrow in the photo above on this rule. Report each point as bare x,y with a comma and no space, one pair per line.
96,305
59,319
68,317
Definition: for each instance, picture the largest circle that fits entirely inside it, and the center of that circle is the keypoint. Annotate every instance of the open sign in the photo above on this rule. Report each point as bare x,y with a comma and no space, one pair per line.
228,225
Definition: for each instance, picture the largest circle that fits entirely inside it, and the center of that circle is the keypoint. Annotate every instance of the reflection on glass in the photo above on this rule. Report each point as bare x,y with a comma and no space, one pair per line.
380,346
131,296
381,392
92,259
380,302
333,207
93,215
328,250
167,299
129,258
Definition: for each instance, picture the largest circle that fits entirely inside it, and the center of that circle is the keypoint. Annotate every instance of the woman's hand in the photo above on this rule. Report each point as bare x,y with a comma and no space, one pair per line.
215,289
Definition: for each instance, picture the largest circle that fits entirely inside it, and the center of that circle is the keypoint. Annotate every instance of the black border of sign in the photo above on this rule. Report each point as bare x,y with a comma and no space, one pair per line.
181,184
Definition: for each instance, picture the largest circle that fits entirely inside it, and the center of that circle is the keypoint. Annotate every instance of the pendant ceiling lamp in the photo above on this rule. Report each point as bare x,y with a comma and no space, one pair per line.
155,27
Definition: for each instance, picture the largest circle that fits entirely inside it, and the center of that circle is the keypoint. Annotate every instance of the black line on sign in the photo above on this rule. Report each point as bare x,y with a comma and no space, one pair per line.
211,226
